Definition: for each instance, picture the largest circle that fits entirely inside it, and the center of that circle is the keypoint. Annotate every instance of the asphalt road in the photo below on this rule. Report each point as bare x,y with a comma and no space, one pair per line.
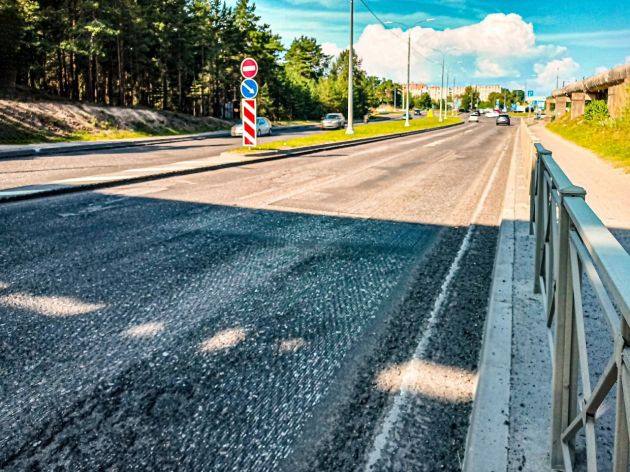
254,318
33,170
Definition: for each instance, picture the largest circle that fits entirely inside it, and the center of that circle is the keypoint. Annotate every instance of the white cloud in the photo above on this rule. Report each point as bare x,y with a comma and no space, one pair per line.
497,46
556,70
331,49
601,69
489,68
627,62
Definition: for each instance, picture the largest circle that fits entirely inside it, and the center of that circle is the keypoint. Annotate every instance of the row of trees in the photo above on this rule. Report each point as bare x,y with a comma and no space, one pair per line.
181,55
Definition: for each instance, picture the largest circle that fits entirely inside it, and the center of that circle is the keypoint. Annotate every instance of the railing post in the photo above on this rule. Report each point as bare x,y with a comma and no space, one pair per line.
533,181
564,376
622,436
539,209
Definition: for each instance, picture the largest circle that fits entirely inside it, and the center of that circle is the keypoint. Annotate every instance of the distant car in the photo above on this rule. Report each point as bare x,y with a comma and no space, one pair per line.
503,119
475,113
540,116
333,121
491,114
417,112
263,128
404,117
473,118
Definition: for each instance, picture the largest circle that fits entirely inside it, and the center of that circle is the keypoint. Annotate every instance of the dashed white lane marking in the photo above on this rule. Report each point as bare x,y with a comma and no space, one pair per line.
435,143
469,131
10,193
89,179
393,415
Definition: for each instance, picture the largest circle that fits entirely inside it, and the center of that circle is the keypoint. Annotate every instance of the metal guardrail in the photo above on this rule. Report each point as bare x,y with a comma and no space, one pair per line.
572,243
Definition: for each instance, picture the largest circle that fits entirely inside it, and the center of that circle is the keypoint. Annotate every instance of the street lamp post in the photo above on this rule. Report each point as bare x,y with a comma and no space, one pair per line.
408,72
350,128
442,89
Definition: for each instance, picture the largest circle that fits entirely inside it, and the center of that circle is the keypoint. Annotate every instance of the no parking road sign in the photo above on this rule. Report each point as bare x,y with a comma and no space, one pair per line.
249,68
249,122
249,88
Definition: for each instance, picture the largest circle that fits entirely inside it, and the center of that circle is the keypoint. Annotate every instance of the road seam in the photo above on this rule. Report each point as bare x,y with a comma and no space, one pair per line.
393,415
487,442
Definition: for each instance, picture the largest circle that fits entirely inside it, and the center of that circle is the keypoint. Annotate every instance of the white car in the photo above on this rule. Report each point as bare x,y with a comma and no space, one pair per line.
263,127
491,114
473,118
333,121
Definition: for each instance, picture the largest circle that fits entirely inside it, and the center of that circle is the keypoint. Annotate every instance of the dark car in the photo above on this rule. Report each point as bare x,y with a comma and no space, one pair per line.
503,119
417,112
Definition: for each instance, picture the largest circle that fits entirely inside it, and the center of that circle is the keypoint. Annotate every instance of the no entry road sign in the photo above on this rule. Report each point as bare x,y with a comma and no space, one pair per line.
249,122
249,68
249,88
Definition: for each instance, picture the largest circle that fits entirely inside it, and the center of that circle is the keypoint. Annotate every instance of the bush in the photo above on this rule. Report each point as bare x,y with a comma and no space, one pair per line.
596,111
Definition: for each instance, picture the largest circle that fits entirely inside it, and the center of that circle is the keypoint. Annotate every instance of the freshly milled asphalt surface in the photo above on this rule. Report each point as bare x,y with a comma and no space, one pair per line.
243,319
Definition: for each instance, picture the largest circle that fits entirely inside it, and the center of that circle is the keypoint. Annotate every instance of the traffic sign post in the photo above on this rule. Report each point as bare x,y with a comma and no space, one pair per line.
248,107
249,88
249,68
249,91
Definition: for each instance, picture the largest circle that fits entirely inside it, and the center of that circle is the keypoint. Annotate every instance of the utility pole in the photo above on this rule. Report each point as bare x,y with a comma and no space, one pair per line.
408,68
350,129
442,89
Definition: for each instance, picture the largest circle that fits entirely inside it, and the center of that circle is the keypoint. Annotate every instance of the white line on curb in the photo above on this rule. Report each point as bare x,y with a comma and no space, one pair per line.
394,413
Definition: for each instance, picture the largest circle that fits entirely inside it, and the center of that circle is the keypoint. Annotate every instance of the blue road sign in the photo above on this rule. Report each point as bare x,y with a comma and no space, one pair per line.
249,88
530,93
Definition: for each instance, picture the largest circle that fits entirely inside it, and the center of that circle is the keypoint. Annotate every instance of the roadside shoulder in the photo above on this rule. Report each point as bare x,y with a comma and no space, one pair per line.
488,435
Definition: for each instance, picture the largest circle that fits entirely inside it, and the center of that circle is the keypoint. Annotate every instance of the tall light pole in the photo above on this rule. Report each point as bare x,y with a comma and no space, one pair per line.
442,89
350,128
408,60
408,72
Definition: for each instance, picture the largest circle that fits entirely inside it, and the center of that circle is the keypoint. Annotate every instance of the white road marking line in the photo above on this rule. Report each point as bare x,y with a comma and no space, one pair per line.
435,143
16,192
89,179
393,415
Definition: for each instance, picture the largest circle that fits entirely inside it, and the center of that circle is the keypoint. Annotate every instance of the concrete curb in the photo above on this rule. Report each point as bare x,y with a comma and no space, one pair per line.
59,188
96,145
487,442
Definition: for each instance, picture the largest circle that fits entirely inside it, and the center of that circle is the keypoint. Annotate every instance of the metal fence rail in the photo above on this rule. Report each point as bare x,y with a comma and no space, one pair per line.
573,243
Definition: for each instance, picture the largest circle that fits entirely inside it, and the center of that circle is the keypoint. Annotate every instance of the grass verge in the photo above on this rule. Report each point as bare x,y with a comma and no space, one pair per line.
360,132
609,139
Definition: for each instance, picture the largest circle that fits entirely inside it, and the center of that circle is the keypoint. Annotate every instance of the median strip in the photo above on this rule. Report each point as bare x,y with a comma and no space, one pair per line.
225,160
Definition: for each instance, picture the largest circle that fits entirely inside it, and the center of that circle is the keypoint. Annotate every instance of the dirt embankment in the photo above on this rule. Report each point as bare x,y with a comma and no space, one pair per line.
24,122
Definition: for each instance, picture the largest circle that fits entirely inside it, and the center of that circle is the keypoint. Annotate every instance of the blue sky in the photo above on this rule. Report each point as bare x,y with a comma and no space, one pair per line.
484,42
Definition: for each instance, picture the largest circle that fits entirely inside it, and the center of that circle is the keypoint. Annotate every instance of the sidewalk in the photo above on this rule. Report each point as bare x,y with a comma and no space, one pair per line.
510,426
607,187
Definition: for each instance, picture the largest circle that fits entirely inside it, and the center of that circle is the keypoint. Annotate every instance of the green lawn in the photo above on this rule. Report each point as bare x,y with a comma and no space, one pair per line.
610,140
360,132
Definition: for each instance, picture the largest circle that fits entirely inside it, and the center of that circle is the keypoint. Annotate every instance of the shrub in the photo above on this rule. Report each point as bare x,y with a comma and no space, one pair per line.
596,111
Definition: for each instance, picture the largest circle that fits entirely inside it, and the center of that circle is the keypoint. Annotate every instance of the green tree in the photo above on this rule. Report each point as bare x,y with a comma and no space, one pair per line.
470,98
425,101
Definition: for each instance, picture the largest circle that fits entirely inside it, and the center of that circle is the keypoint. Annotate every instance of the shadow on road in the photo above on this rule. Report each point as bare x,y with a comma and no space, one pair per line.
167,335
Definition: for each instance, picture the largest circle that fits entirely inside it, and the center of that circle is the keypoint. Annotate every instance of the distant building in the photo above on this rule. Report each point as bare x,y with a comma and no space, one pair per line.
417,89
